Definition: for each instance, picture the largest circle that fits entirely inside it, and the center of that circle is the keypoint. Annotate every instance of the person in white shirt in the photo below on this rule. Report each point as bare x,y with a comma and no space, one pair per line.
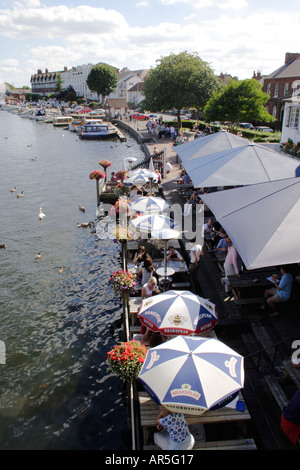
196,252
173,255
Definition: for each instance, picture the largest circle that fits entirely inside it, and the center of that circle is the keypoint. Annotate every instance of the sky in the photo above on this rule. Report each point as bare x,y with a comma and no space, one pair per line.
236,37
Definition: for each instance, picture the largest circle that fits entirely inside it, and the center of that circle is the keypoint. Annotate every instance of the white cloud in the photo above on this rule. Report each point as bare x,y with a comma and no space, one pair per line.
200,4
60,21
230,40
143,3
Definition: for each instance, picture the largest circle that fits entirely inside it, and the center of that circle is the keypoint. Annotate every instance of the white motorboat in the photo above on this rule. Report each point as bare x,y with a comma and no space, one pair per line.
97,130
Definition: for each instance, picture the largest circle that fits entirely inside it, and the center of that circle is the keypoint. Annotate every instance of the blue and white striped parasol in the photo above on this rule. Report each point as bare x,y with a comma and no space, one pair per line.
149,204
191,375
150,223
178,312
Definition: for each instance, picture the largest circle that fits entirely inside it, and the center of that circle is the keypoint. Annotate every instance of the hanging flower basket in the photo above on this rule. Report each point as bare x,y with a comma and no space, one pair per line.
123,233
105,163
121,190
121,175
120,207
96,175
126,359
124,282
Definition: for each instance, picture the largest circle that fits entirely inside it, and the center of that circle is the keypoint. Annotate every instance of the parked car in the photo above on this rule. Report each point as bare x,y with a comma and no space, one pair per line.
140,117
185,117
246,125
153,116
264,129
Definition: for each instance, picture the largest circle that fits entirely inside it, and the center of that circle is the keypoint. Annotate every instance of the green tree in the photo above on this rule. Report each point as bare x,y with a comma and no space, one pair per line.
179,81
103,80
238,102
59,84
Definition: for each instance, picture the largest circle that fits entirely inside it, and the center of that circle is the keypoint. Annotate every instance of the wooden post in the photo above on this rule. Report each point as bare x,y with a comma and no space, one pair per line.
98,191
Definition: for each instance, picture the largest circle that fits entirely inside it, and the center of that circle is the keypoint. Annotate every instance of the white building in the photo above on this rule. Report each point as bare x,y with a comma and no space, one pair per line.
76,77
136,94
126,80
291,121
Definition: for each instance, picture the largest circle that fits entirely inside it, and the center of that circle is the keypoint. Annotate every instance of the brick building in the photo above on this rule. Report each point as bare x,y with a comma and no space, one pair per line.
281,84
44,83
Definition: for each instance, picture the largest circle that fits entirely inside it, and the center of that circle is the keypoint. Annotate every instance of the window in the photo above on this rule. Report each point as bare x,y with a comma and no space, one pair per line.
286,89
294,117
274,112
276,89
269,88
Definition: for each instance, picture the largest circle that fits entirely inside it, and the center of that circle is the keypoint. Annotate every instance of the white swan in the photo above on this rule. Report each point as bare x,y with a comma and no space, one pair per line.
41,214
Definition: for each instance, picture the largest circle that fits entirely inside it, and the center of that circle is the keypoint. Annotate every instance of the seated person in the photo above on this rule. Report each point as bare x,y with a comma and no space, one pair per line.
113,177
173,255
222,245
141,256
150,287
219,234
281,292
147,270
186,179
208,227
133,193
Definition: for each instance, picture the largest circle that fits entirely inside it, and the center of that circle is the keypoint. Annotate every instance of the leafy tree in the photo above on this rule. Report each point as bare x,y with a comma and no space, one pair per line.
103,80
179,81
238,102
59,84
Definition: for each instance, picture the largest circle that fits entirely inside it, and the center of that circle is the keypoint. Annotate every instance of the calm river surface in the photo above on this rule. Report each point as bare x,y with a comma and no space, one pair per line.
55,390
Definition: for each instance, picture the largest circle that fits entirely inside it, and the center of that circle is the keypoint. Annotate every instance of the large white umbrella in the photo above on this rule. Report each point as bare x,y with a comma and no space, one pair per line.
239,166
137,179
141,176
192,374
155,224
143,171
158,226
149,204
212,143
177,312
262,221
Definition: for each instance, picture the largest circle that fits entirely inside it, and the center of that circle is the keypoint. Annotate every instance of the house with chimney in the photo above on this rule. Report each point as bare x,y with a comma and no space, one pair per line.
44,83
281,84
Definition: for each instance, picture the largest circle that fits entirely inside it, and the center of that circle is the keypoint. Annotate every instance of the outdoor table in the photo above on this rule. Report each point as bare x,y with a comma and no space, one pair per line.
248,289
162,272
149,411
177,266
134,305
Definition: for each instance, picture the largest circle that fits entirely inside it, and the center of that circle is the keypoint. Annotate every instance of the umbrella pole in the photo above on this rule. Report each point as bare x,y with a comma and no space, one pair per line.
165,258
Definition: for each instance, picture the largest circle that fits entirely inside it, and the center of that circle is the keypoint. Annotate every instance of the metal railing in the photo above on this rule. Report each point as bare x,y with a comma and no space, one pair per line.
261,351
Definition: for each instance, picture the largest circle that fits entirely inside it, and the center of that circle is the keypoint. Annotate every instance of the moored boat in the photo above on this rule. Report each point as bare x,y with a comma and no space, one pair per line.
97,130
62,121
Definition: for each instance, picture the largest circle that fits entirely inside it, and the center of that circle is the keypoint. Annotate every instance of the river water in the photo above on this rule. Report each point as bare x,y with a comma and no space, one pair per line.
55,389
